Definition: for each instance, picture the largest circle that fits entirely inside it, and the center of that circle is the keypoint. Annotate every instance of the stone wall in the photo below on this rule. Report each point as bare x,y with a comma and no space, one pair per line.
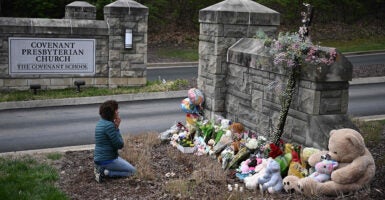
115,65
221,26
241,83
254,92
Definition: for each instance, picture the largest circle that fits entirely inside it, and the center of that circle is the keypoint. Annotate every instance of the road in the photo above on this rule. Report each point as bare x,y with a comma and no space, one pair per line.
190,72
367,99
36,128
367,59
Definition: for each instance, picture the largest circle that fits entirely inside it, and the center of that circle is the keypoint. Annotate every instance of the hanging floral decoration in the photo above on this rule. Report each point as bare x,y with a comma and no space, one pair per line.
293,50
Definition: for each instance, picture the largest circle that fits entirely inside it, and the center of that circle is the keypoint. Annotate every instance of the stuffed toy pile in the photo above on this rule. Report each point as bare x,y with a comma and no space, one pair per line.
355,169
346,167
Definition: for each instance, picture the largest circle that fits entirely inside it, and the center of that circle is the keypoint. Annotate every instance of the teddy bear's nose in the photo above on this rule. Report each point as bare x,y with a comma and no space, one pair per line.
326,157
292,190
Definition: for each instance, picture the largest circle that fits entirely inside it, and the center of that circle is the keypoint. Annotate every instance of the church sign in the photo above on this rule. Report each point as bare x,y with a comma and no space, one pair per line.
51,56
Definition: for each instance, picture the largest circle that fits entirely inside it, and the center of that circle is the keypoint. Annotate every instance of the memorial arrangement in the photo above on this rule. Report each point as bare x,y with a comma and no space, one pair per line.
271,164
262,164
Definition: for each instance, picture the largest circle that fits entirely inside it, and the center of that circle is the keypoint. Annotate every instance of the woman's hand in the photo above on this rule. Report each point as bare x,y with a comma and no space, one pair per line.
117,120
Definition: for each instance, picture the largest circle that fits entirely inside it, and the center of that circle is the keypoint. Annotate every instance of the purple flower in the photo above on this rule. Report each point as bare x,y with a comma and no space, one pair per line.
289,47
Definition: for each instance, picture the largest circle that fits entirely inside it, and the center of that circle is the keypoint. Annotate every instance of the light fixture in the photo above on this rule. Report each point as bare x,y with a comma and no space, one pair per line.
78,83
128,39
35,87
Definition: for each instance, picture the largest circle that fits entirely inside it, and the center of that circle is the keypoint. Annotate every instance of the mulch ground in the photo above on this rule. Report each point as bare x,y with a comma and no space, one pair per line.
77,181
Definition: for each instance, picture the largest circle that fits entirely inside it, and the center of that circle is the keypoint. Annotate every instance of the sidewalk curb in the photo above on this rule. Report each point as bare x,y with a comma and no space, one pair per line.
370,118
367,80
177,64
92,100
362,52
50,150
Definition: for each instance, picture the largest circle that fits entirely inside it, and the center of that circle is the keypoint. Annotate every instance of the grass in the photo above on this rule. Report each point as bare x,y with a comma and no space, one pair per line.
187,54
54,156
25,178
371,131
357,45
139,151
151,86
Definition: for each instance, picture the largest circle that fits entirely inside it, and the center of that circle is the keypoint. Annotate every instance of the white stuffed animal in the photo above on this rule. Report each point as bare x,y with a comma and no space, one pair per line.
271,180
251,182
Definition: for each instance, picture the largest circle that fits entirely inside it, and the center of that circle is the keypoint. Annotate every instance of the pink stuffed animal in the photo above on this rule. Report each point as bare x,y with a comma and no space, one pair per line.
251,182
249,165
323,170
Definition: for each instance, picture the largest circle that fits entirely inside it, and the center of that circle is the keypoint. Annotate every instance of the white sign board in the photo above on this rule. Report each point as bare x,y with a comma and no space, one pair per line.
51,56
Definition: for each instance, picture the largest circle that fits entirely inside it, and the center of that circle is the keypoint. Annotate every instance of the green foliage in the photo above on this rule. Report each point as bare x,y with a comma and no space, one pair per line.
371,130
207,129
327,11
218,135
54,156
184,54
360,44
34,8
158,15
25,178
183,14
179,84
99,4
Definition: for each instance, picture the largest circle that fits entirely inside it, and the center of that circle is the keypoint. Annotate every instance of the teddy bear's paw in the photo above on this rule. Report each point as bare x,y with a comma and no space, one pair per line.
290,184
289,188
271,190
307,186
300,188
251,186
261,187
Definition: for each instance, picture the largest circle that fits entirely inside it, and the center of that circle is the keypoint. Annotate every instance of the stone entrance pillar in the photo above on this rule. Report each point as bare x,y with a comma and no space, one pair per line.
221,26
80,10
127,63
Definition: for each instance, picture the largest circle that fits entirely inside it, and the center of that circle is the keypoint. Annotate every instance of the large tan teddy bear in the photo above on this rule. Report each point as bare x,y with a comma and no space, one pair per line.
355,170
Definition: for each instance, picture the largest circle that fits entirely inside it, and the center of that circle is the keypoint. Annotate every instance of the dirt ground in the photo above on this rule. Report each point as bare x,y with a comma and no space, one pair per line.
195,177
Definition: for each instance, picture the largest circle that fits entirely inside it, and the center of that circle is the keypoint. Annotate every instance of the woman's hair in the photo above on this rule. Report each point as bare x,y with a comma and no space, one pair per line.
107,110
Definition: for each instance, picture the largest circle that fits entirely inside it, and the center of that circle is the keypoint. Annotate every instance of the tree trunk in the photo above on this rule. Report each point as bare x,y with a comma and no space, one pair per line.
287,95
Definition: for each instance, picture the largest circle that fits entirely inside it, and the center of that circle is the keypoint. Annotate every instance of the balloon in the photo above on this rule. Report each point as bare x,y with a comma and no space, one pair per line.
195,96
188,107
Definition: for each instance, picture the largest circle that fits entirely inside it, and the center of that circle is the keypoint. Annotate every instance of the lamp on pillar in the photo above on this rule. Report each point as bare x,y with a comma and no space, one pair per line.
78,83
35,87
128,39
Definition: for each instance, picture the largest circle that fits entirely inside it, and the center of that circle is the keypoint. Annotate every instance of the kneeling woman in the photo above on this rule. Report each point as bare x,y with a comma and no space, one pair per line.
108,141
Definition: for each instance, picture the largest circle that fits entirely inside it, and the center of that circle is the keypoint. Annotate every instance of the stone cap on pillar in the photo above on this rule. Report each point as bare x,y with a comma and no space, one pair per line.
80,10
247,50
239,12
129,6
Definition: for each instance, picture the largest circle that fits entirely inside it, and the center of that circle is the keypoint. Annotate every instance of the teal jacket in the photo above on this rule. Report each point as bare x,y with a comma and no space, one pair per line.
108,141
